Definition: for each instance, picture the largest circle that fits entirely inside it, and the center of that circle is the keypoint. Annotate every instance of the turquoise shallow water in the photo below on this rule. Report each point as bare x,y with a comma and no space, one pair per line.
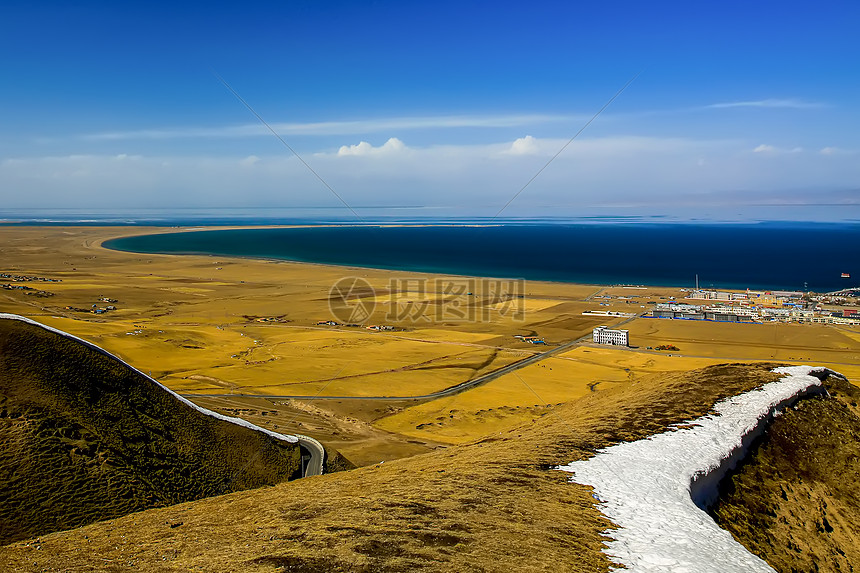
759,256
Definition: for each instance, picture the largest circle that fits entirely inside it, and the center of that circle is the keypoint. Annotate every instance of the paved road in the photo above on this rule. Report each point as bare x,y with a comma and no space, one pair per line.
462,387
315,465
594,294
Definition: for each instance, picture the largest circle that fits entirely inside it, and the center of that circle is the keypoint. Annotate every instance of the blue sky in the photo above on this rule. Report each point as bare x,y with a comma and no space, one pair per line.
741,109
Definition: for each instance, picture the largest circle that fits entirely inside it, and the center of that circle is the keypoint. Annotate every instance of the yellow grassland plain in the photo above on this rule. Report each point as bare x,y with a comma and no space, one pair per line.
244,337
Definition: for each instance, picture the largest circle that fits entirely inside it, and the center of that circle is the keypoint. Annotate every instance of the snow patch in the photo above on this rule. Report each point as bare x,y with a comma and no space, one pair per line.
232,420
655,489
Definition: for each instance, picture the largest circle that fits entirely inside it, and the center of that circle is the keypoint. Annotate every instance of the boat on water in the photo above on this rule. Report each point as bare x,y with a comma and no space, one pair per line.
846,276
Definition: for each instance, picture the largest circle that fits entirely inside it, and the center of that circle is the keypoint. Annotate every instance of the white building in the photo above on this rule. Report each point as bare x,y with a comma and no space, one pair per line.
717,295
603,335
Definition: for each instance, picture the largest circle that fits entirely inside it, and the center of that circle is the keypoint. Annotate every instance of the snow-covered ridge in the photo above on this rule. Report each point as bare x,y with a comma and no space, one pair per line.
654,489
232,420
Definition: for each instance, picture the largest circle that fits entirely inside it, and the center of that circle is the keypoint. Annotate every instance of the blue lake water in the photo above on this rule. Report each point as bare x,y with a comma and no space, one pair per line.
780,256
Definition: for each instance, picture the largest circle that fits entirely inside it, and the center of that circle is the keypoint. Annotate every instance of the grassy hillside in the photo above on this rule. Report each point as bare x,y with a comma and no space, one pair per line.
796,501
85,438
492,505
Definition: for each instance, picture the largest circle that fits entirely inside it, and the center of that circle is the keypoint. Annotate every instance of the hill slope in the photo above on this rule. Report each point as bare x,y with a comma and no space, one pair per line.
795,501
83,438
496,504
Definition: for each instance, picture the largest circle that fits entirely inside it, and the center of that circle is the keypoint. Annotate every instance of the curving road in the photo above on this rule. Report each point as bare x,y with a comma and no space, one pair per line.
314,466
315,461
456,389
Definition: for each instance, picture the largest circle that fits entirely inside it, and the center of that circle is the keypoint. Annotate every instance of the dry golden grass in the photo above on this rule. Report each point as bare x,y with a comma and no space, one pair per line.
193,320
788,341
530,392
794,500
491,505
482,505
821,344
84,438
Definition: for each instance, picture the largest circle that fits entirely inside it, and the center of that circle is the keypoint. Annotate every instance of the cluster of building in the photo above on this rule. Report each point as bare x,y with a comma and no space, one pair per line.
607,313
718,313
7,286
377,327
847,297
753,306
267,318
95,309
27,290
27,278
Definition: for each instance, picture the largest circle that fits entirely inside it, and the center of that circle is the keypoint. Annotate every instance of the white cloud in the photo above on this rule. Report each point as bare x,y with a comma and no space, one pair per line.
768,103
524,146
363,148
349,127
837,151
591,172
393,145
770,149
